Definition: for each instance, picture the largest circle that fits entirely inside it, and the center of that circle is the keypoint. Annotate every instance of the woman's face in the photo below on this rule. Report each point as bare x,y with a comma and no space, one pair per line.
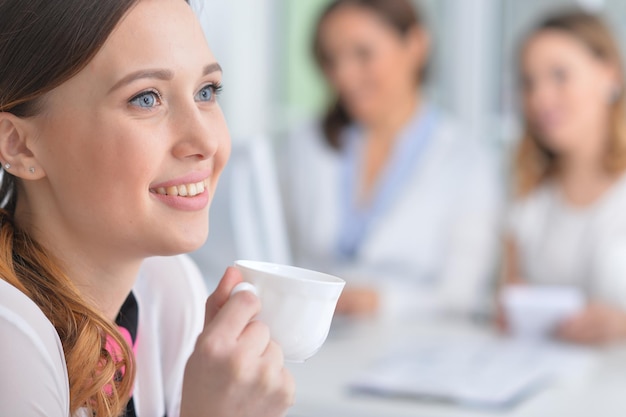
368,63
132,146
566,91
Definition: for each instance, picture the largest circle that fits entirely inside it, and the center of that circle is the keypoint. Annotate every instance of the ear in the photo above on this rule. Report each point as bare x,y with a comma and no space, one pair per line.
419,44
15,155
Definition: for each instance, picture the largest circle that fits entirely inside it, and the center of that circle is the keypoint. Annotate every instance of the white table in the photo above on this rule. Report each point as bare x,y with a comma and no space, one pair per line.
322,382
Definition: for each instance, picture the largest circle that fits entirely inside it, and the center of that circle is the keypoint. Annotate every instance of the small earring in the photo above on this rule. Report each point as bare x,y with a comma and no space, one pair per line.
7,166
31,170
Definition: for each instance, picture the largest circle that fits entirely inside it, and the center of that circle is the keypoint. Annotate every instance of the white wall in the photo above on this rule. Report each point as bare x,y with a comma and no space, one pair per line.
240,33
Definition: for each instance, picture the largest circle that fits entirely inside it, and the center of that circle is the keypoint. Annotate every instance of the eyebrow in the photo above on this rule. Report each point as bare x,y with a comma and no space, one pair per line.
159,74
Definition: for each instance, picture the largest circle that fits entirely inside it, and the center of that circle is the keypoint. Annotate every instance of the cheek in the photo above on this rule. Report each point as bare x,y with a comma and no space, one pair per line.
350,77
393,73
549,96
587,86
376,73
100,162
70,155
222,154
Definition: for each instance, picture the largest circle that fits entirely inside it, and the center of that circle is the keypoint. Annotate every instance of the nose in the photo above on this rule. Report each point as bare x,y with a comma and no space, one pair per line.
196,132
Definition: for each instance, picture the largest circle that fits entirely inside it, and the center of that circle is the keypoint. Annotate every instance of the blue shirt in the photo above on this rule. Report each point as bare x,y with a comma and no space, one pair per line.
357,220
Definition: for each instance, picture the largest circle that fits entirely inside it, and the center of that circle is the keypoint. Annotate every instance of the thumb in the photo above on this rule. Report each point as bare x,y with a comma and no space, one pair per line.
220,296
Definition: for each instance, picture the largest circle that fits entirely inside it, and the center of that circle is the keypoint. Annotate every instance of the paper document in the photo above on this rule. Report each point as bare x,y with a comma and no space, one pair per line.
485,373
536,311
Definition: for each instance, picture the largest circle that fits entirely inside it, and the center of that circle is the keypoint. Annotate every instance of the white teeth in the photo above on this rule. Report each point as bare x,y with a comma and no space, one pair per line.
185,190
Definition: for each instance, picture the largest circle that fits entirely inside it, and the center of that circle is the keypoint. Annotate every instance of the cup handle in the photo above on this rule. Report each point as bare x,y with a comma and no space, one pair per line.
244,286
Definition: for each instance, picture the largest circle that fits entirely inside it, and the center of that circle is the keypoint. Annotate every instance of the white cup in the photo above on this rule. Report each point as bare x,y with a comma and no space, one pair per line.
296,304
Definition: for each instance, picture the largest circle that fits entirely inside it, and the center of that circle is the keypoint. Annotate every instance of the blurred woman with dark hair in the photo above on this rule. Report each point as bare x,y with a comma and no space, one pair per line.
387,190
568,224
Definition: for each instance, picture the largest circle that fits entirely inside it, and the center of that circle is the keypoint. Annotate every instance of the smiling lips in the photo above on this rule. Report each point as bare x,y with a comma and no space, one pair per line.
183,190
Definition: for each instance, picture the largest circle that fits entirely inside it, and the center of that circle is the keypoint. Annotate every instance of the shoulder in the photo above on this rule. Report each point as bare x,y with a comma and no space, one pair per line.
34,375
20,313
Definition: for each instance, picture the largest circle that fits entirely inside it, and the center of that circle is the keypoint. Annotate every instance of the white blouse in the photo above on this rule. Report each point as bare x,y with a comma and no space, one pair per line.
33,377
559,244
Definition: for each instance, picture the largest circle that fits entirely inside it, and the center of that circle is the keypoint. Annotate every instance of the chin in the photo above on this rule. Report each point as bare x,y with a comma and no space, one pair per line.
365,114
182,242
557,143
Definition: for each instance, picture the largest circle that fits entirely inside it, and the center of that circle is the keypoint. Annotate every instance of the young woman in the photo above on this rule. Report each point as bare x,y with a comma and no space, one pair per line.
387,190
568,225
112,142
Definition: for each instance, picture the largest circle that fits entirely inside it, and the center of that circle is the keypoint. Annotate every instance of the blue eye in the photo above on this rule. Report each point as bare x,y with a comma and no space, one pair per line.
208,93
147,99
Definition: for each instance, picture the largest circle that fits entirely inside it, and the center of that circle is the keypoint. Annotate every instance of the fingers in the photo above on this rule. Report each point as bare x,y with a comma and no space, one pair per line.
255,338
220,296
585,328
278,379
289,385
235,364
573,328
598,324
274,354
572,331
235,315
586,336
228,316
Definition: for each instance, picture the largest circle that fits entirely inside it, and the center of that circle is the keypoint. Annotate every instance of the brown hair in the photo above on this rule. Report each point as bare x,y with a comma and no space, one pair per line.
44,43
534,163
401,15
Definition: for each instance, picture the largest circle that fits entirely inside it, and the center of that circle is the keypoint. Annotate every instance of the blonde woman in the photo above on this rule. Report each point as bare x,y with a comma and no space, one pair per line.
568,224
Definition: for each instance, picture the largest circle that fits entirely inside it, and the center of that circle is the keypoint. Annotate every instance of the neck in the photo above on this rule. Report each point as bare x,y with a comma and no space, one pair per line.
103,279
583,177
576,168
103,285
585,162
388,125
